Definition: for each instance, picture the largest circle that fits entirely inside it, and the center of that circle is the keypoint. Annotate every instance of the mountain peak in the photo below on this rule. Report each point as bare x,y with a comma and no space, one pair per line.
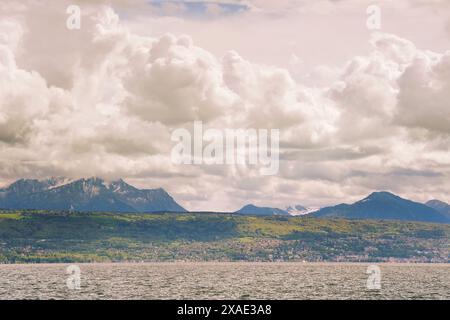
437,203
120,186
85,194
381,195
440,206
384,205
296,207
299,210
251,209
25,186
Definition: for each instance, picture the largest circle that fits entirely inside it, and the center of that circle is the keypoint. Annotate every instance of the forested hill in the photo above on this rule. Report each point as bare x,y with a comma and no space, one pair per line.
38,236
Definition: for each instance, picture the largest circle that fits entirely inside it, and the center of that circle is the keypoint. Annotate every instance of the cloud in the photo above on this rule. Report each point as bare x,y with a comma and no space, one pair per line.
103,101
176,83
25,100
424,94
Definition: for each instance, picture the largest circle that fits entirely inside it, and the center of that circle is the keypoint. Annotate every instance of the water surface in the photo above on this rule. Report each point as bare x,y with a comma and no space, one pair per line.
225,281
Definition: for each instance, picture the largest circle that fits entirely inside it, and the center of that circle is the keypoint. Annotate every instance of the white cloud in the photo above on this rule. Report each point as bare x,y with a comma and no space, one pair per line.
425,93
103,100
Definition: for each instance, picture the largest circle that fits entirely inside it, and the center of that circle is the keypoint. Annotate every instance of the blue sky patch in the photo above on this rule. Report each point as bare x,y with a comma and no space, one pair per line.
197,9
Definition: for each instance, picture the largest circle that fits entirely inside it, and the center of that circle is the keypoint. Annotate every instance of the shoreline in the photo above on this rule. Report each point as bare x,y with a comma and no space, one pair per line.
323,263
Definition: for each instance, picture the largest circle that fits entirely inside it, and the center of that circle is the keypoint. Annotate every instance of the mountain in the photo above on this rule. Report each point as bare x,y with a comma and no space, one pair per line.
440,206
144,200
93,194
298,210
384,206
251,209
27,186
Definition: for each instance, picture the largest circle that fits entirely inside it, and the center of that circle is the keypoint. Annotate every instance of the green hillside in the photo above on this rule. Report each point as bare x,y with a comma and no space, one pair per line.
36,236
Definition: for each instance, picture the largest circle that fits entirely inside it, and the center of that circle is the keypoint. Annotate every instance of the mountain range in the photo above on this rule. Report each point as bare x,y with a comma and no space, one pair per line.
384,206
295,210
377,206
251,209
95,194
299,210
85,195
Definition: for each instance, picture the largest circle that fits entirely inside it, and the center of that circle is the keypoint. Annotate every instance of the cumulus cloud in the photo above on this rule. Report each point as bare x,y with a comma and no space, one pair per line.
424,94
176,82
104,100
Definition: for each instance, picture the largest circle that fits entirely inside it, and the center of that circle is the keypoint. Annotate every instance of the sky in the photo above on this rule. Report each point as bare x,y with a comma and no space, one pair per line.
358,110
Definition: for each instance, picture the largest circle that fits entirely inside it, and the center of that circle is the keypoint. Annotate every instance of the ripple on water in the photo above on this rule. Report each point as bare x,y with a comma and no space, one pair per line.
225,281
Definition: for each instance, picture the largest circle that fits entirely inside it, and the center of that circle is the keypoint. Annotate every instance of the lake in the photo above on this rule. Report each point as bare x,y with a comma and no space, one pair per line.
223,281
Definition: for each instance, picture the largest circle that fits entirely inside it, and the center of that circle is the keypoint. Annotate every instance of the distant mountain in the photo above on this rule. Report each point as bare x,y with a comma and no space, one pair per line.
384,206
298,210
144,200
93,194
440,206
27,186
251,209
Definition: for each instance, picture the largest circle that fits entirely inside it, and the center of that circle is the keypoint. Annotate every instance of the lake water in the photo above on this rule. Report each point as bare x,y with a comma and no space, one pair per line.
224,281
